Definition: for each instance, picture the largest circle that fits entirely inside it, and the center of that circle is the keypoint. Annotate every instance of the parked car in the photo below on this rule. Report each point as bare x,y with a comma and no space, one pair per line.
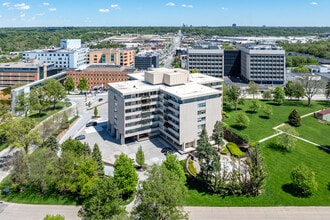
100,99
80,137
91,123
165,149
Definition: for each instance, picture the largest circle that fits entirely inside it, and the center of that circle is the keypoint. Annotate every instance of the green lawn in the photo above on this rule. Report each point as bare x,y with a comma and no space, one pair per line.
279,164
276,191
314,131
259,127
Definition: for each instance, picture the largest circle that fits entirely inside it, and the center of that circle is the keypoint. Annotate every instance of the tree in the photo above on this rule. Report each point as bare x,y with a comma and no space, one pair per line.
161,196
51,143
22,103
268,111
294,118
69,84
289,89
139,156
172,164
257,174
41,166
46,128
298,90
54,90
38,101
218,134
234,93
279,95
303,180
82,84
327,90
267,95
20,132
125,175
242,120
76,147
255,105
102,201
97,156
75,174
253,89
209,162
312,85
96,112
286,140
54,217
5,114
20,171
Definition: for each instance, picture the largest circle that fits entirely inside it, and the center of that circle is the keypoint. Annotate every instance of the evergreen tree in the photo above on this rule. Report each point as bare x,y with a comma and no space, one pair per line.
218,134
327,90
139,156
96,112
294,118
97,156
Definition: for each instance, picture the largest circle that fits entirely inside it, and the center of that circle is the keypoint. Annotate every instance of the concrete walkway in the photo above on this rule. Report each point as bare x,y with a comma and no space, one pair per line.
281,132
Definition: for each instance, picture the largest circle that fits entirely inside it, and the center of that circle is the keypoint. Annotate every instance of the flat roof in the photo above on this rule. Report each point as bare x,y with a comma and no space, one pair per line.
190,90
203,78
22,65
132,87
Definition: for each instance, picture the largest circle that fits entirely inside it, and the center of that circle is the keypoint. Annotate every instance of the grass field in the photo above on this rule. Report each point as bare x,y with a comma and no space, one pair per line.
279,164
260,127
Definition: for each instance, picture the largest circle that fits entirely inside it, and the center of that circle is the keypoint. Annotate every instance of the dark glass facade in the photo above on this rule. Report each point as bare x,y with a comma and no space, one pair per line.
232,63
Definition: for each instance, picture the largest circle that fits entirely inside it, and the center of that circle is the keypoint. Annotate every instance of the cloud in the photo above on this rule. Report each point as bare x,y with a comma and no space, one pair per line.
314,3
170,4
22,15
40,14
224,9
187,6
52,9
45,4
104,10
6,4
115,6
21,6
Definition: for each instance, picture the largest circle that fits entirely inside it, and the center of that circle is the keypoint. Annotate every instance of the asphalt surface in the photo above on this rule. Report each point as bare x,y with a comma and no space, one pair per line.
11,211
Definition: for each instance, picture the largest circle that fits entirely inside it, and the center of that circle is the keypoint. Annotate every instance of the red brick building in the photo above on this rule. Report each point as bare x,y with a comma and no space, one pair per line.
99,75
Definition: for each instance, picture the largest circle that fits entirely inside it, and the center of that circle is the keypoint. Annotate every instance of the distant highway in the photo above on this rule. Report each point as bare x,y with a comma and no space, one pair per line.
176,42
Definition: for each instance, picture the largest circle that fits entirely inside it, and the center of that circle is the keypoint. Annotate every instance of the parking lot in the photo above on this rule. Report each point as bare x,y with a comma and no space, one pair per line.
111,148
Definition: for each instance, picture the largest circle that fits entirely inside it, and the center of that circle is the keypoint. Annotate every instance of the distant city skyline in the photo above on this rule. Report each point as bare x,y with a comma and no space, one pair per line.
36,13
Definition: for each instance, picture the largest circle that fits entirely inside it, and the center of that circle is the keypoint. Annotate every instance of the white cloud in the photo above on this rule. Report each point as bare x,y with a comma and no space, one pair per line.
52,9
22,6
104,10
314,3
224,9
187,6
45,4
40,14
170,4
6,4
115,6
22,15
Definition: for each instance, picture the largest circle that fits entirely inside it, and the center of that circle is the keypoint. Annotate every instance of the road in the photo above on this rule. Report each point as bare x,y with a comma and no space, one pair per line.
176,42
9,211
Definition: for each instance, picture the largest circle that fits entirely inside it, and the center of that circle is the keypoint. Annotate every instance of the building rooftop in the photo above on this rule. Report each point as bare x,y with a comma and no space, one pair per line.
262,47
132,87
33,64
189,90
203,78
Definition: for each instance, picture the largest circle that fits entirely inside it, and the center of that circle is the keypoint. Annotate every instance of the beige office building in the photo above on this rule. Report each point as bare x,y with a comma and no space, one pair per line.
170,103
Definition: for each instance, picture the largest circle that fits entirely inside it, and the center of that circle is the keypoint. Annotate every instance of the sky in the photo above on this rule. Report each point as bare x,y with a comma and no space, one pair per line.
59,13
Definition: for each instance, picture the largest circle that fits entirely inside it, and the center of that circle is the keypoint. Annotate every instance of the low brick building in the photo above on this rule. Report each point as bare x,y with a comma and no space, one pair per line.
99,75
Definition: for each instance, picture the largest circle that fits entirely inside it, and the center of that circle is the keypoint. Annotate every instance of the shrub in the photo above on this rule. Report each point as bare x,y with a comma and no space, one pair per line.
234,149
233,135
224,151
192,168
303,179
225,114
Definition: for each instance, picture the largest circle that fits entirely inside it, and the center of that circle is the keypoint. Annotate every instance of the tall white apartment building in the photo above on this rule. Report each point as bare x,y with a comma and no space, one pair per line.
170,103
263,64
207,57
70,54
